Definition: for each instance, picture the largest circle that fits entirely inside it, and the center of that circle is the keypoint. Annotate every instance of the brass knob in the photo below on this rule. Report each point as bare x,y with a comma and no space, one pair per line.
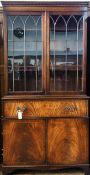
23,109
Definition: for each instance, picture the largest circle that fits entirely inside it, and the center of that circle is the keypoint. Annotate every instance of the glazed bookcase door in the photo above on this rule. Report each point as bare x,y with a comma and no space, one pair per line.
24,142
67,143
46,55
66,53
25,55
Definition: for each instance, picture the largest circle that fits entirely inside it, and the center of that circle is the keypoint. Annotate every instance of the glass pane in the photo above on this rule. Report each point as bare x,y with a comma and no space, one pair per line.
25,53
18,23
9,23
30,35
60,61
18,28
18,46
30,23
80,23
39,35
18,58
80,43
30,59
19,72
10,79
51,23
33,52
10,56
18,35
57,79
71,55
24,18
51,59
18,78
31,78
66,52
30,46
52,78
80,59
10,46
30,53
39,62
60,79
39,78
79,79
19,85
71,52
60,46
71,46
71,79
72,23
60,23
38,22
57,53
10,35
80,48
39,47
52,35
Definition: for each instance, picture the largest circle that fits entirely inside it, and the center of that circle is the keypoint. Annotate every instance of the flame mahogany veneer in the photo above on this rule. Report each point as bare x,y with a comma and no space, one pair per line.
54,131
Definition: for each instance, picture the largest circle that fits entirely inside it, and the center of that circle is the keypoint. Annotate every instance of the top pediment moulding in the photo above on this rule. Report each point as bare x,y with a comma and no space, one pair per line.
44,6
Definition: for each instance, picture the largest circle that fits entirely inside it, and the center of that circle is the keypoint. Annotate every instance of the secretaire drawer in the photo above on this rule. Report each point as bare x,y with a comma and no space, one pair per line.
47,108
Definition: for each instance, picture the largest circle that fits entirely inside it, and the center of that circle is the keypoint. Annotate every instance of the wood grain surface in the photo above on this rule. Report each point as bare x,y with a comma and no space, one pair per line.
47,108
26,143
23,142
68,141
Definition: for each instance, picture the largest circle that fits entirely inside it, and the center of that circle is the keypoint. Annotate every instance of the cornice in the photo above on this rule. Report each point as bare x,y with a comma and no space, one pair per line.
43,3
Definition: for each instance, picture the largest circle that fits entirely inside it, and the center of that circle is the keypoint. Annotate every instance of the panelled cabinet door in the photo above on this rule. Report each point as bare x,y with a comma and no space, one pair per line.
67,141
24,142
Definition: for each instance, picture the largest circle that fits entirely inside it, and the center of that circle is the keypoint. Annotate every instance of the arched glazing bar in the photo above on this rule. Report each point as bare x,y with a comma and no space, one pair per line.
80,48
66,70
71,57
25,53
55,44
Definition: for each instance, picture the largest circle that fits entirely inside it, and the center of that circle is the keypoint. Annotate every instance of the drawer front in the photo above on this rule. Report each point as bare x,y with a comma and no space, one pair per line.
47,108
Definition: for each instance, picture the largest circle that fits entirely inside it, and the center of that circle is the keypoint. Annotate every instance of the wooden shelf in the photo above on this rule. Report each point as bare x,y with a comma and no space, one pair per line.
63,68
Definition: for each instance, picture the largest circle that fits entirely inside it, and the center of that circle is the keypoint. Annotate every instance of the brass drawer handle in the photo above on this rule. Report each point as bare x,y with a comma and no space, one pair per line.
70,108
23,109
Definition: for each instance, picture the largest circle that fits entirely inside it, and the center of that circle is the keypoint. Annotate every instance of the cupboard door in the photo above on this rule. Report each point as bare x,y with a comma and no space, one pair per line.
24,142
67,141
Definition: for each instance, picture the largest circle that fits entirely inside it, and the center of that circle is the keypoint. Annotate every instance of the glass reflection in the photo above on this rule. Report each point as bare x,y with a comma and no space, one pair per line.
31,79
